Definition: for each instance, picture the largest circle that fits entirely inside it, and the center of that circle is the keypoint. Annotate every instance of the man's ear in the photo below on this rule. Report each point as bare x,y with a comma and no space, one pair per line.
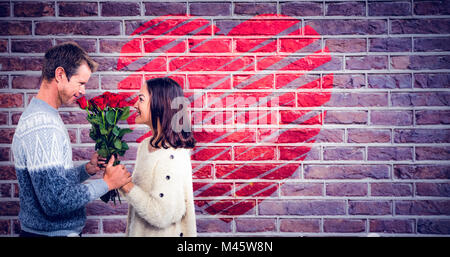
60,74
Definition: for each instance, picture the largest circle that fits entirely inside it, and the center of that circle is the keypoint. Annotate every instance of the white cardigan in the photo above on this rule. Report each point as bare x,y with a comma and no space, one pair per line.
161,202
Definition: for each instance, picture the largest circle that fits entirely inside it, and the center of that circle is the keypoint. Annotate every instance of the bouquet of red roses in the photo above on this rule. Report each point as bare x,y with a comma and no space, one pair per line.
104,111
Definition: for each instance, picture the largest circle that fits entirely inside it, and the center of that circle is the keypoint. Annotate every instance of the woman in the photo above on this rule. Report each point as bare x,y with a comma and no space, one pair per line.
160,196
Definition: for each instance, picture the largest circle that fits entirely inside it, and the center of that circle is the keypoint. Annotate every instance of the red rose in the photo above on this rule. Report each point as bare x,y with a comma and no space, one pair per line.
100,102
114,100
123,103
82,102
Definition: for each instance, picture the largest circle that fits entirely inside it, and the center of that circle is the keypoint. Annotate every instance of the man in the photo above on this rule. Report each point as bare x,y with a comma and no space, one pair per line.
52,196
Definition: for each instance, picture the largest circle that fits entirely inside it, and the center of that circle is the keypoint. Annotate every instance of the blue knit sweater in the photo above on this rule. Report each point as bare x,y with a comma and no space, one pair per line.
52,195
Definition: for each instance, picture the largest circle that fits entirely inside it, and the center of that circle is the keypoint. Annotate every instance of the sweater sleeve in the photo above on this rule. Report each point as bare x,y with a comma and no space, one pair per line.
56,186
163,204
190,208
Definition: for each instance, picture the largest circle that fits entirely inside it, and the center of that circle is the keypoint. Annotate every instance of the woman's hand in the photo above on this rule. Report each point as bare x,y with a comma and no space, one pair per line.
127,188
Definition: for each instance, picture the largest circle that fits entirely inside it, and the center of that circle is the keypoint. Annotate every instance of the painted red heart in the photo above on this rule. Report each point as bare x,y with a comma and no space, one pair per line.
241,77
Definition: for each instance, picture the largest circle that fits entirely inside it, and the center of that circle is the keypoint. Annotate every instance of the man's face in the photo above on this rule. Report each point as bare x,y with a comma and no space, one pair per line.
70,90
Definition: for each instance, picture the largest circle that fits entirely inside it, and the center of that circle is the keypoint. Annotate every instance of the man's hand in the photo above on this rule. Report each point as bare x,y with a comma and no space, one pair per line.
96,164
116,176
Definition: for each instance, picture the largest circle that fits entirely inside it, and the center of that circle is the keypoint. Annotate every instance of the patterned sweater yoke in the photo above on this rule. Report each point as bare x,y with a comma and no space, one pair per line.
52,195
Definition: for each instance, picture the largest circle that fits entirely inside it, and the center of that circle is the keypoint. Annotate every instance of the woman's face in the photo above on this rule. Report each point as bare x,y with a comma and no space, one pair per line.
142,106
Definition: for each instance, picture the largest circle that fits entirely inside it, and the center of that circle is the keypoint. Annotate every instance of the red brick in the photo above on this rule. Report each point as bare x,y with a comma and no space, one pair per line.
256,45
433,226
375,171
208,225
392,225
302,207
7,173
15,28
256,170
404,171
242,136
117,46
92,227
209,81
26,82
9,208
421,136
426,117
422,207
257,189
300,225
254,153
389,153
72,9
420,26
299,153
353,45
209,45
346,189
391,189
120,9
346,9
168,8
432,153
255,225
301,189
396,118
344,225
292,135
211,63
34,9
369,135
212,153
163,45
212,189
254,8
97,208
343,153
85,28
370,207
346,117
433,189
201,171
114,226
339,99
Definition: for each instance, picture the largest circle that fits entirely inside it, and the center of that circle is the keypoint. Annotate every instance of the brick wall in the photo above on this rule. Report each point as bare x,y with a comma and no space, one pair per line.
356,141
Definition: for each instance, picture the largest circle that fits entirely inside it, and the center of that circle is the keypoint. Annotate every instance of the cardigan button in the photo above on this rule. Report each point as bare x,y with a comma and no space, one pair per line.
161,195
171,156
167,177
181,234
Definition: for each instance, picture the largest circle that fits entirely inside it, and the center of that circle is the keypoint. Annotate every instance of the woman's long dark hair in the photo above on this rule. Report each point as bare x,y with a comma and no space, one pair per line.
162,92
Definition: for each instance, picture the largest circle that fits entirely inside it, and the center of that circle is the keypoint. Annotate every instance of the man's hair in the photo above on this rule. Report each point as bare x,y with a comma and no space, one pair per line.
67,55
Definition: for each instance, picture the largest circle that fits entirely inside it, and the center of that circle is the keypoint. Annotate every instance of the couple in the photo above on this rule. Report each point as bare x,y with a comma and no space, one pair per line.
52,193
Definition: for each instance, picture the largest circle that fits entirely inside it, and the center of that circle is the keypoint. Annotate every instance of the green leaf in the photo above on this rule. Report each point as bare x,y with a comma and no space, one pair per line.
124,131
124,146
125,114
103,153
103,131
94,120
116,131
118,144
110,116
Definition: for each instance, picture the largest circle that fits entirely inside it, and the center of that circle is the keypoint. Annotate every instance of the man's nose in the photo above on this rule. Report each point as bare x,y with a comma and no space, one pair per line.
82,90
